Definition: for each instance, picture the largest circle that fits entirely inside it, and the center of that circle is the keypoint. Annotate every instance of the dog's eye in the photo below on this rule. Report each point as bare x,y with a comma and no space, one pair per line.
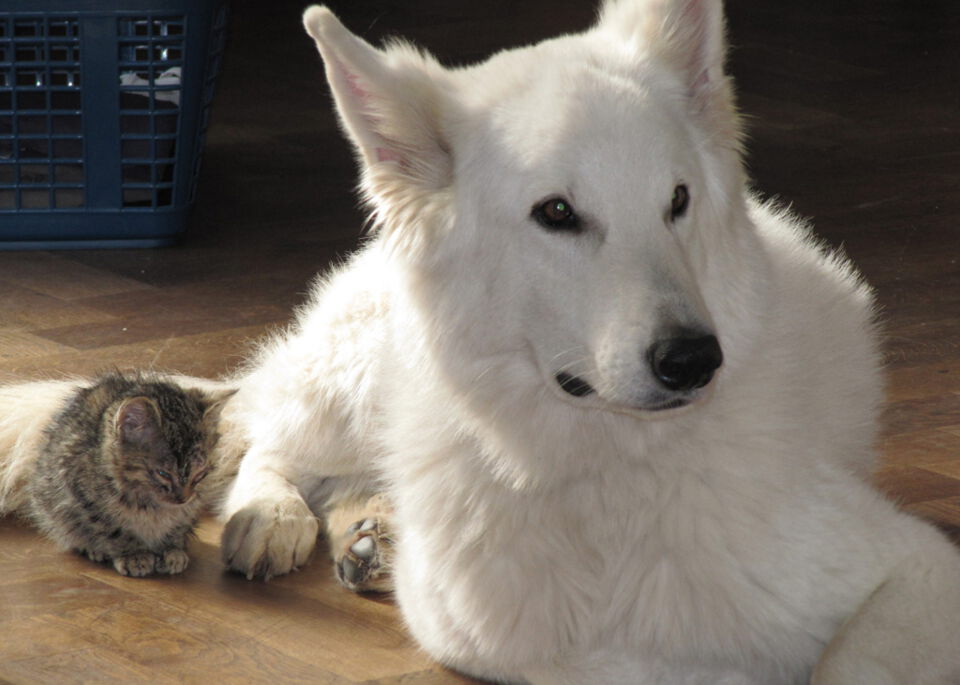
680,202
556,214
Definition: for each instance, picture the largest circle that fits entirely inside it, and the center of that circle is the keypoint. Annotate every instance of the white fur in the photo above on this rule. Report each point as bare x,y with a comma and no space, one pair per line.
557,539
25,411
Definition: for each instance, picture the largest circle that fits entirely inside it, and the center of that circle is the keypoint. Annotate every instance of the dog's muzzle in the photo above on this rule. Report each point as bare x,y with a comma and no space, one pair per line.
682,364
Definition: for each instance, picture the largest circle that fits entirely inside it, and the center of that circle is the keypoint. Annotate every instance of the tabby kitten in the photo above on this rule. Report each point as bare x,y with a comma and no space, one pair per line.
117,475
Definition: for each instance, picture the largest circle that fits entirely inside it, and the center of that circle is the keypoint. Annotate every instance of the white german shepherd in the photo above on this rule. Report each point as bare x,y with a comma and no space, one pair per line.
623,411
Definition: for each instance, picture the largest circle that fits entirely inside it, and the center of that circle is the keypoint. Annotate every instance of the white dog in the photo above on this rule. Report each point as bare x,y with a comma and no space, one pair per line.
622,410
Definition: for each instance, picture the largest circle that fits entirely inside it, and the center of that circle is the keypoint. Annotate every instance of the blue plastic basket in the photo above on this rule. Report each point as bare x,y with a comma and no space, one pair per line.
103,109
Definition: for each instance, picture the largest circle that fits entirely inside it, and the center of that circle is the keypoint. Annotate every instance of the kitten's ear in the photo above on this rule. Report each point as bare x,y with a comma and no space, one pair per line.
138,420
214,403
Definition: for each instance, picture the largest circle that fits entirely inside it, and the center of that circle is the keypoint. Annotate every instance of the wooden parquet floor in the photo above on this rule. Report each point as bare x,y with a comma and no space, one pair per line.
853,112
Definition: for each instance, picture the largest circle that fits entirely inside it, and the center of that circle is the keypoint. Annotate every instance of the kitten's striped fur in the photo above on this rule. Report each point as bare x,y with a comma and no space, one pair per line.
119,470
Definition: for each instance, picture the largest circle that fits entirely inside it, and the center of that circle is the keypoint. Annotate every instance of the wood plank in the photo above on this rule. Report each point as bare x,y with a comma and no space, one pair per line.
61,277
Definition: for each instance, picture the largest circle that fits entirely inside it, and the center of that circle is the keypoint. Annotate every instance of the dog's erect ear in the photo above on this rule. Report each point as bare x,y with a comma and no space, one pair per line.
688,35
388,101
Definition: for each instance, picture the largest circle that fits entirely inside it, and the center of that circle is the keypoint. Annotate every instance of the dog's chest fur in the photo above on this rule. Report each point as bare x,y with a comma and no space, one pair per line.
630,555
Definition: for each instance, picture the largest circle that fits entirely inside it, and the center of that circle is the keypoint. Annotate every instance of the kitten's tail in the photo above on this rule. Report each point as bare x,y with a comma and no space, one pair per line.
25,411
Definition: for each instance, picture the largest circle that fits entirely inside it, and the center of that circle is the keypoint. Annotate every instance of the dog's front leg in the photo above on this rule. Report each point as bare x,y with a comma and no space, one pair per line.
270,530
905,632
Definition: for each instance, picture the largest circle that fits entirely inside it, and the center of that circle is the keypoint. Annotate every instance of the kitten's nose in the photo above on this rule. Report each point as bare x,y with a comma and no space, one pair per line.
181,494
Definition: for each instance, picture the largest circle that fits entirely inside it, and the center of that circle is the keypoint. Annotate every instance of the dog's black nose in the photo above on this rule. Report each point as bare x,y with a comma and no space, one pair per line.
685,362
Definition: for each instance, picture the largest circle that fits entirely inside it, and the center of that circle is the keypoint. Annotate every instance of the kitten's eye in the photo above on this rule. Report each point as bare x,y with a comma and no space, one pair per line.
199,477
163,474
680,202
556,214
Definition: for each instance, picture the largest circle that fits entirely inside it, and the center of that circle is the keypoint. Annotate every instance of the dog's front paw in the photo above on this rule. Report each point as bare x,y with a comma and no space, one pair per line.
363,557
269,538
136,565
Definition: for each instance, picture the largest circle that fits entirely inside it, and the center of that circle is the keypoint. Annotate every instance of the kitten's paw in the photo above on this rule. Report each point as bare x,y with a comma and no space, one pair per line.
269,538
93,555
173,561
136,565
363,557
